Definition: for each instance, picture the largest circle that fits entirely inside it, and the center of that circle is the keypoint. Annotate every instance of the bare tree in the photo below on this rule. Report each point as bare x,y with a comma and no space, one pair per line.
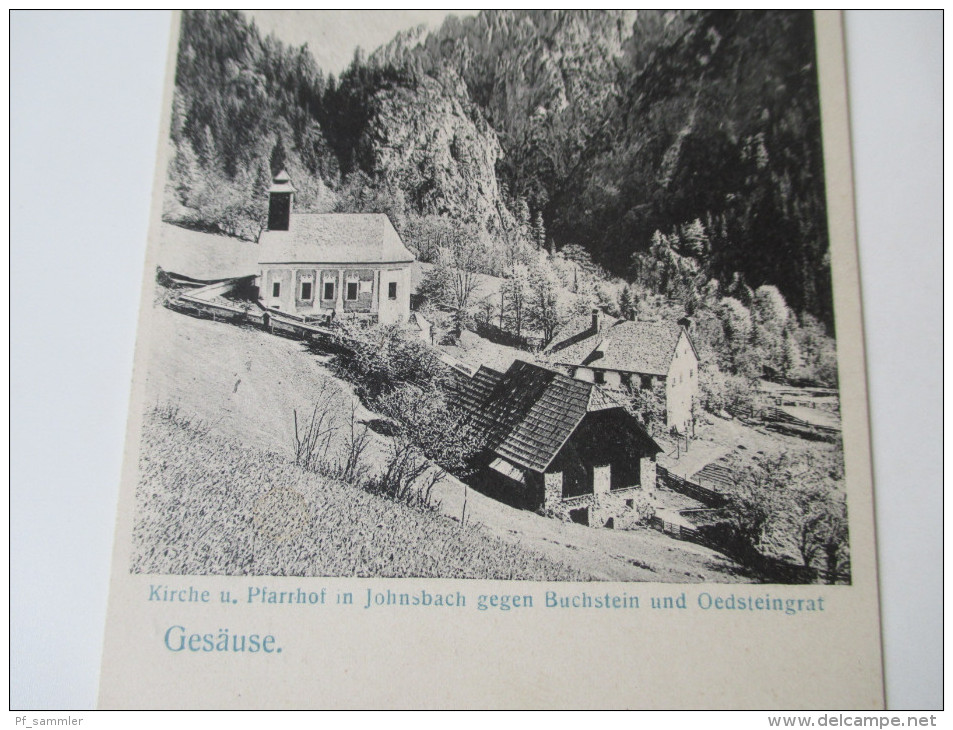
312,440
463,263
807,523
453,282
357,438
516,293
549,302
408,476
834,541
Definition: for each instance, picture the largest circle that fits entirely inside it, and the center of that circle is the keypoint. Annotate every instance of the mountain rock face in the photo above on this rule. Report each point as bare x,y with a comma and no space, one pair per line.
615,125
429,142
543,80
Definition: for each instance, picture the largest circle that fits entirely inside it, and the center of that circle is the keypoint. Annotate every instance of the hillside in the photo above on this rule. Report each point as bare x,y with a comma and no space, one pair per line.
617,124
225,397
210,505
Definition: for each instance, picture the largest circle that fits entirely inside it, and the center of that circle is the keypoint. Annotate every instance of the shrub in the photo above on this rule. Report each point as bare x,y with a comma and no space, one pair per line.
408,476
171,413
740,392
713,385
648,405
351,465
443,433
325,445
380,358
313,440
787,505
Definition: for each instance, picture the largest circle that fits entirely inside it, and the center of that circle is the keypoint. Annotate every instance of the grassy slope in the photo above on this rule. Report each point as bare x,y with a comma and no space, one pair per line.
208,504
245,383
733,441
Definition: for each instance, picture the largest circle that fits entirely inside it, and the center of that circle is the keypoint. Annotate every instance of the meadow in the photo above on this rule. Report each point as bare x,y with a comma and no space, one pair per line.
209,505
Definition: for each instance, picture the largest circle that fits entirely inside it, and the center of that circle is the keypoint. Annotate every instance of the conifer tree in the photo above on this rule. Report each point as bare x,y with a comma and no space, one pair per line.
627,302
539,231
278,156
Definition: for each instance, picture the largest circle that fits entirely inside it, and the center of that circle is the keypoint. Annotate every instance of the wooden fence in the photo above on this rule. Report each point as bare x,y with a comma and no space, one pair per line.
778,415
778,419
679,484
744,412
717,474
221,310
212,310
774,570
680,532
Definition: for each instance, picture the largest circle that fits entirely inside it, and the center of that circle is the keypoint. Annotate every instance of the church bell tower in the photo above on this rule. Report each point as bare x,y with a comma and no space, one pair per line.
280,197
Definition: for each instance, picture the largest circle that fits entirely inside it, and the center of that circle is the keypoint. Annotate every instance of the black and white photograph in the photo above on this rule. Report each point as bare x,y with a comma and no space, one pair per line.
510,359
527,295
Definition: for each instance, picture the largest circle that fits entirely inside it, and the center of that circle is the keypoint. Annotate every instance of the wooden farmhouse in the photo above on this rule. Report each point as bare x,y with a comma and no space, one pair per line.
556,443
621,354
332,264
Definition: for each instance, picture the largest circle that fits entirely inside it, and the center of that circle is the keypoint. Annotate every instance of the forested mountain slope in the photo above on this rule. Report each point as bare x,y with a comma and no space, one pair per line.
681,150
618,124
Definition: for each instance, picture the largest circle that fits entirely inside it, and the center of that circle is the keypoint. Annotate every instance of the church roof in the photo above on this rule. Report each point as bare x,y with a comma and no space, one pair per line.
334,238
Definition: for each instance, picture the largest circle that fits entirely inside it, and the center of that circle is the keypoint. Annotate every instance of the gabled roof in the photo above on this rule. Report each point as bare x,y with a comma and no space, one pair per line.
638,347
470,393
575,340
646,348
535,411
527,413
334,238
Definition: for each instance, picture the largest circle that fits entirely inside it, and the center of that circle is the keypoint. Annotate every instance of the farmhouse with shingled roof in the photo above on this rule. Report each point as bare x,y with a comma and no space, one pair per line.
620,354
332,264
556,443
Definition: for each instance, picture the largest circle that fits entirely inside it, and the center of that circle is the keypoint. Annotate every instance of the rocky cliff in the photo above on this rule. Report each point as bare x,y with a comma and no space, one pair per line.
429,141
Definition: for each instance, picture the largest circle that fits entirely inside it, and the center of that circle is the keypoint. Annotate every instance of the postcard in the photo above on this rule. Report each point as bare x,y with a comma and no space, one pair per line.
508,359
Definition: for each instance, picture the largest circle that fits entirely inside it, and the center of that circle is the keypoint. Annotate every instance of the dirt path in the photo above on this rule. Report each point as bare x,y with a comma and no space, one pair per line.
247,384
714,441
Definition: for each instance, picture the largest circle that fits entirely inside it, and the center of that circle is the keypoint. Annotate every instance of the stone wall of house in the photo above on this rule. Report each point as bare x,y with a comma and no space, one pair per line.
613,508
604,505
647,473
681,386
552,490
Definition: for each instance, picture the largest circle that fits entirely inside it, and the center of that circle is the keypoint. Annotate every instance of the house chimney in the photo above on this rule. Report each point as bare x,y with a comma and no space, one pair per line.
280,197
600,350
596,320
